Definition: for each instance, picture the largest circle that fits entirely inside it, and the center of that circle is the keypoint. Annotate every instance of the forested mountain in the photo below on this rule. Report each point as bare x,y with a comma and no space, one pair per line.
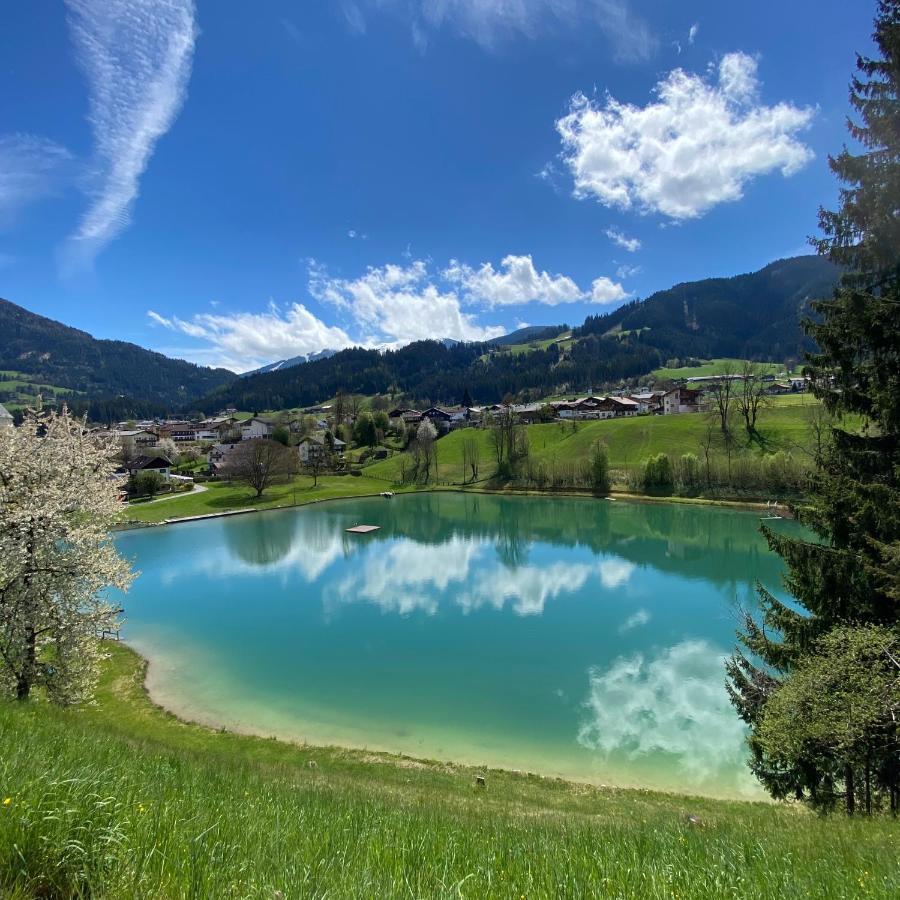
754,316
112,377
748,316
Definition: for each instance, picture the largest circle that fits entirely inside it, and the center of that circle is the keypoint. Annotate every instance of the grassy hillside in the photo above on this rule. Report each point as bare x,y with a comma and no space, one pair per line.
713,367
121,800
783,426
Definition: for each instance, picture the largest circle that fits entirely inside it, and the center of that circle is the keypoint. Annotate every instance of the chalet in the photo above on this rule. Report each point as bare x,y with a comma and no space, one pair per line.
148,463
182,432
316,447
256,428
218,454
648,401
681,400
6,419
529,413
779,387
624,406
408,416
445,418
134,440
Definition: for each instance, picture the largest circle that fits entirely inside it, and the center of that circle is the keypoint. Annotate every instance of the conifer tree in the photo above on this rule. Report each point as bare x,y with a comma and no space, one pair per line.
849,575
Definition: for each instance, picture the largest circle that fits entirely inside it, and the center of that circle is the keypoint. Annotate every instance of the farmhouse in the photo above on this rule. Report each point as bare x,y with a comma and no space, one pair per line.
256,428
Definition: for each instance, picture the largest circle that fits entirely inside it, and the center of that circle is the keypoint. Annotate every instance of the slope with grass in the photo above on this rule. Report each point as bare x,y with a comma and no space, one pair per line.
782,426
120,799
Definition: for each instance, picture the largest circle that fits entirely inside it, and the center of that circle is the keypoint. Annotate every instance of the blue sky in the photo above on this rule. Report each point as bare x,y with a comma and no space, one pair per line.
234,187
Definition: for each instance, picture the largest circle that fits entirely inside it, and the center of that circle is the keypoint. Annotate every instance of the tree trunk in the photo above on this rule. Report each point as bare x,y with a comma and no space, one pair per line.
848,784
26,676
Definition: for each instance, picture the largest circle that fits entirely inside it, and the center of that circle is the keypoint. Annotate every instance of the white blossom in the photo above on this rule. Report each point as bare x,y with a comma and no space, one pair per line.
58,499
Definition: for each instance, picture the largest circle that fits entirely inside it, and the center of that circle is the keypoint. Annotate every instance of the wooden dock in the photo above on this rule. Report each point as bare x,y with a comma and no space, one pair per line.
363,529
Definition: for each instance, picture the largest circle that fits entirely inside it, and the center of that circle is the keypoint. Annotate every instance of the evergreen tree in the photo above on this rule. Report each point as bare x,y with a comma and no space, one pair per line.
851,574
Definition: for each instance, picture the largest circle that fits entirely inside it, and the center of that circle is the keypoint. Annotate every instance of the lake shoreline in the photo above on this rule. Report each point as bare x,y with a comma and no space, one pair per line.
398,758
784,511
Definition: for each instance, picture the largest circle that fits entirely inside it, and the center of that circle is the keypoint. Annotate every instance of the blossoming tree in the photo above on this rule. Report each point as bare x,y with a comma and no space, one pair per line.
57,502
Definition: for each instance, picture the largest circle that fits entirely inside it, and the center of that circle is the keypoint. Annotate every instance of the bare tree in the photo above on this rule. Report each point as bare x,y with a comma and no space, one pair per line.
752,395
425,452
722,394
707,442
820,424
471,454
260,463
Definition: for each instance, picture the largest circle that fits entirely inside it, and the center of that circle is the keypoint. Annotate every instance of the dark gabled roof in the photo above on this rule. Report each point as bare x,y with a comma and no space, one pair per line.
156,461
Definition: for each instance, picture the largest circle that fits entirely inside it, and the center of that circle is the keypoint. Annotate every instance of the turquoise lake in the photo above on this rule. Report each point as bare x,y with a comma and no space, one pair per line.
574,637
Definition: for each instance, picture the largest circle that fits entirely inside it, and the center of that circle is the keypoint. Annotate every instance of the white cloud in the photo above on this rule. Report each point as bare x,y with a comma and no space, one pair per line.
693,32
30,168
527,587
157,319
394,305
605,290
137,58
674,704
488,22
245,341
517,281
615,572
625,271
635,620
692,148
388,306
631,244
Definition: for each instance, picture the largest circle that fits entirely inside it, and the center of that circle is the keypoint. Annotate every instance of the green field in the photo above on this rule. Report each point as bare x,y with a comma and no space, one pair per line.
783,426
121,800
714,367
21,390
225,496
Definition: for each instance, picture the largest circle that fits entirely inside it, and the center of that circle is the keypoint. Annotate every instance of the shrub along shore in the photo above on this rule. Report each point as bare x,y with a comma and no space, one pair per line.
121,799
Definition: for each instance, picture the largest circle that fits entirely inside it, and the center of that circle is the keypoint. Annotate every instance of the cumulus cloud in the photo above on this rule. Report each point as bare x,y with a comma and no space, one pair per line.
695,146
615,572
394,305
30,168
674,704
245,341
387,306
631,244
517,281
605,290
137,58
489,22
408,576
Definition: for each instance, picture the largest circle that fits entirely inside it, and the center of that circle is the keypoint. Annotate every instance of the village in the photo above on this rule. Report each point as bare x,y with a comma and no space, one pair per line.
168,456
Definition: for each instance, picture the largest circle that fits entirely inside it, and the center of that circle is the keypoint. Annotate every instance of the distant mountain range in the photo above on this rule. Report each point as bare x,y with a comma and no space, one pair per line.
290,363
755,316
112,374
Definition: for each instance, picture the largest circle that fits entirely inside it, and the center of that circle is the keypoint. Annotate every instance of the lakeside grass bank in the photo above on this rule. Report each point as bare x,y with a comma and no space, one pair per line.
120,799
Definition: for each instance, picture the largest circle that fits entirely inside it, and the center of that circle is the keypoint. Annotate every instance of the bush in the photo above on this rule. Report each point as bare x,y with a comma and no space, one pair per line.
658,474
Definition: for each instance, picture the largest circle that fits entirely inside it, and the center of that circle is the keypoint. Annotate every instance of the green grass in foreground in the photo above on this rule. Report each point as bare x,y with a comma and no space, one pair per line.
121,800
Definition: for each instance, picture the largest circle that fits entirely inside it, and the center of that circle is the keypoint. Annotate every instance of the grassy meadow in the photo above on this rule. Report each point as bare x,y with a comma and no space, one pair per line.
630,441
118,799
713,367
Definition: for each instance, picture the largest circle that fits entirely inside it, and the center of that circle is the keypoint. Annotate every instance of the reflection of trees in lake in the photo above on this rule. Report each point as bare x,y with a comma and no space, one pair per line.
261,540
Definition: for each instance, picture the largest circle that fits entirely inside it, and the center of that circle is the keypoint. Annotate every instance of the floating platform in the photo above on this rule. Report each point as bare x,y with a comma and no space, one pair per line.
363,529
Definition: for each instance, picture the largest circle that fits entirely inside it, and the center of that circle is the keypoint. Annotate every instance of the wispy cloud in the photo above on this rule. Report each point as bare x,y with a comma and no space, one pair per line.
635,620
489,22
693,32
137,59
622,240
30,168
